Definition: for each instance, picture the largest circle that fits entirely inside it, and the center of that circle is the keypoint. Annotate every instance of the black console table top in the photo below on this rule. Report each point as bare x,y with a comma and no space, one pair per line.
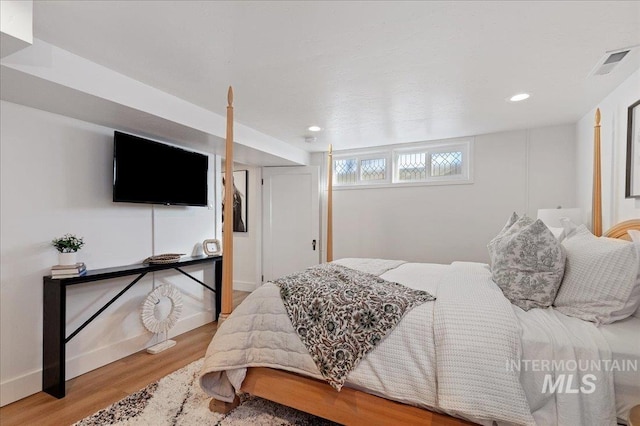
137,268
54,336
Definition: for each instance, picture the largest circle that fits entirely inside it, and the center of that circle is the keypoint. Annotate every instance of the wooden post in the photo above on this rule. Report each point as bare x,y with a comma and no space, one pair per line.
227,228
222,407
330,206
596,213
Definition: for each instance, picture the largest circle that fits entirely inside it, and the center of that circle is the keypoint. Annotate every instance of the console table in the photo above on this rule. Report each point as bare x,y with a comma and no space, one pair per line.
55,291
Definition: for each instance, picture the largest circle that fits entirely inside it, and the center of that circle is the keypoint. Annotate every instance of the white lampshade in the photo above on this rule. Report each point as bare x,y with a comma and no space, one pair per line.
551,217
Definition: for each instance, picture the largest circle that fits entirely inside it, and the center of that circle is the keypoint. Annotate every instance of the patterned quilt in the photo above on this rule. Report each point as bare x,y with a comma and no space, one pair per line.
341,314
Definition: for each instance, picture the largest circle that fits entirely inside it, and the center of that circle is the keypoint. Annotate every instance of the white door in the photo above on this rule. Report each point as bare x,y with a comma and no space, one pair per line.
291,225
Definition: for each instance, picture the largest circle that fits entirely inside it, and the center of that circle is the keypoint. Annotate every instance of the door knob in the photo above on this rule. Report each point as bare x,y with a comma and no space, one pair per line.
313,244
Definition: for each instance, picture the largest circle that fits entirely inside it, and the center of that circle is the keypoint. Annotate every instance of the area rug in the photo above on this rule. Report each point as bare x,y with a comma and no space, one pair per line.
177,399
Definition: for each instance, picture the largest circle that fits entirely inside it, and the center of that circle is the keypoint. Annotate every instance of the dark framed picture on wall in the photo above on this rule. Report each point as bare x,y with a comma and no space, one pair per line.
632,187
240,192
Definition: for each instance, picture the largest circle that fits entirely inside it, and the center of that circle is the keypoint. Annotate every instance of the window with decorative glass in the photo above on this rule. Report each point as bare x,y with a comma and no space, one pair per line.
360,170
432,162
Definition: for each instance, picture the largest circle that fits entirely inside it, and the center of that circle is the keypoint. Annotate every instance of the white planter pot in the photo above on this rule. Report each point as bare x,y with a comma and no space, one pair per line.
67,258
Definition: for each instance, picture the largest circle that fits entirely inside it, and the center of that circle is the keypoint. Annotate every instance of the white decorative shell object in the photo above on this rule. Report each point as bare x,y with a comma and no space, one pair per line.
147,310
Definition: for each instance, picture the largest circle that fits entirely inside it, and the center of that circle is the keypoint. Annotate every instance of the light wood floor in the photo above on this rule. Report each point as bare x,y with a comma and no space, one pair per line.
102,387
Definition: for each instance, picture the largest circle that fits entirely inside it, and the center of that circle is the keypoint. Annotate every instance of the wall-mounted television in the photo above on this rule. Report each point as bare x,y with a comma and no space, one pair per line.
146,171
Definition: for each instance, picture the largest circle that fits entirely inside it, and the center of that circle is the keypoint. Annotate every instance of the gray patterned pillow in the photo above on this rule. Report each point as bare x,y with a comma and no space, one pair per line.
527,262
513,219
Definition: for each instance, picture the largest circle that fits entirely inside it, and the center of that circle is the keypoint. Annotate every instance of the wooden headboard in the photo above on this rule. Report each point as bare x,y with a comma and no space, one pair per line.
620,230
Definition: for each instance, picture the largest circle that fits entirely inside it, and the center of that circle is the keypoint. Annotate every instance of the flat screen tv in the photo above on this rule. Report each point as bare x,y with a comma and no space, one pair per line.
146,171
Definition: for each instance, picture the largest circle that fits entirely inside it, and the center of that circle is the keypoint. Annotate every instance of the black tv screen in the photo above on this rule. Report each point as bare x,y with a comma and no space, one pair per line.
145,171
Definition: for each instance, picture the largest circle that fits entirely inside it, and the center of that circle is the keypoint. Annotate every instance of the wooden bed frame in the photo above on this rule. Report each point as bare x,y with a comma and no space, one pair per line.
350,406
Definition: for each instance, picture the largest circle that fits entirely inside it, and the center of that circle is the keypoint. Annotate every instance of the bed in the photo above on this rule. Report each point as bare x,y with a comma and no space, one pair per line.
455,376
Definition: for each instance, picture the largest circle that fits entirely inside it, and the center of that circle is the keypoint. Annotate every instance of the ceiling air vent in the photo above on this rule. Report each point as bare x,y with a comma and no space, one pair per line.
609,61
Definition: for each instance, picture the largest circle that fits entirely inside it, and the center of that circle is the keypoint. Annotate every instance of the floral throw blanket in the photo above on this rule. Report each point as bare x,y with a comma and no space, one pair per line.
341,314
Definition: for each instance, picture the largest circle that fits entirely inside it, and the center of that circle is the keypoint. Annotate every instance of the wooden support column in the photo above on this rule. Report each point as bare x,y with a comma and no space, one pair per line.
330,206
227,228
222,407
596,211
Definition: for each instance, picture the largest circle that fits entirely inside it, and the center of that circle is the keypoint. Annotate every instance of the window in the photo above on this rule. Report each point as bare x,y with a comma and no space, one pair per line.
345,172
373,169
412,167
423,163
360,170
446,163
435,163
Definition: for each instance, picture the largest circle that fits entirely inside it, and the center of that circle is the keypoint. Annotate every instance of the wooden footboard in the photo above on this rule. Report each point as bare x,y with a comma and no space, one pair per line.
349,406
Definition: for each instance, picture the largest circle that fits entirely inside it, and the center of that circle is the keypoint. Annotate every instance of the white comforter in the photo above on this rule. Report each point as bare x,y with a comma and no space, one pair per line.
458,363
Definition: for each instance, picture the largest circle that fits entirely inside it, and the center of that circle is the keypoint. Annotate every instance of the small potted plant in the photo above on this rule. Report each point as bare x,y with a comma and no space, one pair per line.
67,247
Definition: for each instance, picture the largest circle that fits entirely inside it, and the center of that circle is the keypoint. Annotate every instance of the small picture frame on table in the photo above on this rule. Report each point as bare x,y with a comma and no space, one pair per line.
211,247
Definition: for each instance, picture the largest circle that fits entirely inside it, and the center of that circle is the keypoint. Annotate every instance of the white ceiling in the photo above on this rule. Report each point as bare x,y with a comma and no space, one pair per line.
368,73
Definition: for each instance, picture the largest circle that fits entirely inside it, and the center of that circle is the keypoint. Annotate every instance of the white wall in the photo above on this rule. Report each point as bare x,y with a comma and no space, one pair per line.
56,177
16,25
613,137
247,246
16,19
518,171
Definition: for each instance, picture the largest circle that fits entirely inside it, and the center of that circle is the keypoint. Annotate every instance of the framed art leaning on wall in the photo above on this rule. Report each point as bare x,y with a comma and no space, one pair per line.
632,187
240,182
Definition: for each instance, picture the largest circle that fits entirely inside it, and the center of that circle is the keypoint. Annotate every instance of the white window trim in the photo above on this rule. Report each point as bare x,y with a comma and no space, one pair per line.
390,153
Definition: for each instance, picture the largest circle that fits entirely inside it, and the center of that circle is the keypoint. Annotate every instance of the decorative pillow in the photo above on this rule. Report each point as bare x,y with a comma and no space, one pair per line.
513,219
527,262
600,279
569,228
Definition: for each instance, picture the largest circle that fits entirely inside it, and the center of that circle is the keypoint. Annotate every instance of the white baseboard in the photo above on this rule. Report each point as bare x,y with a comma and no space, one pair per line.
194,321
19,387
244,285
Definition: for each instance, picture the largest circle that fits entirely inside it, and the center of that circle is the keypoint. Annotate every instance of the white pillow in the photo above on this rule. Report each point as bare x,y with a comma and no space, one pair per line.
568,227
600,278
635,237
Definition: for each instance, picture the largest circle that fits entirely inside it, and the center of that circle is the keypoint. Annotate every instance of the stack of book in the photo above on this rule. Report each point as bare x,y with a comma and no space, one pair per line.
68,271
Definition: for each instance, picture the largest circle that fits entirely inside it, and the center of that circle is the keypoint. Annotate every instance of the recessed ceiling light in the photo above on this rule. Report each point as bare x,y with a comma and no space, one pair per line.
314,128
519,97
